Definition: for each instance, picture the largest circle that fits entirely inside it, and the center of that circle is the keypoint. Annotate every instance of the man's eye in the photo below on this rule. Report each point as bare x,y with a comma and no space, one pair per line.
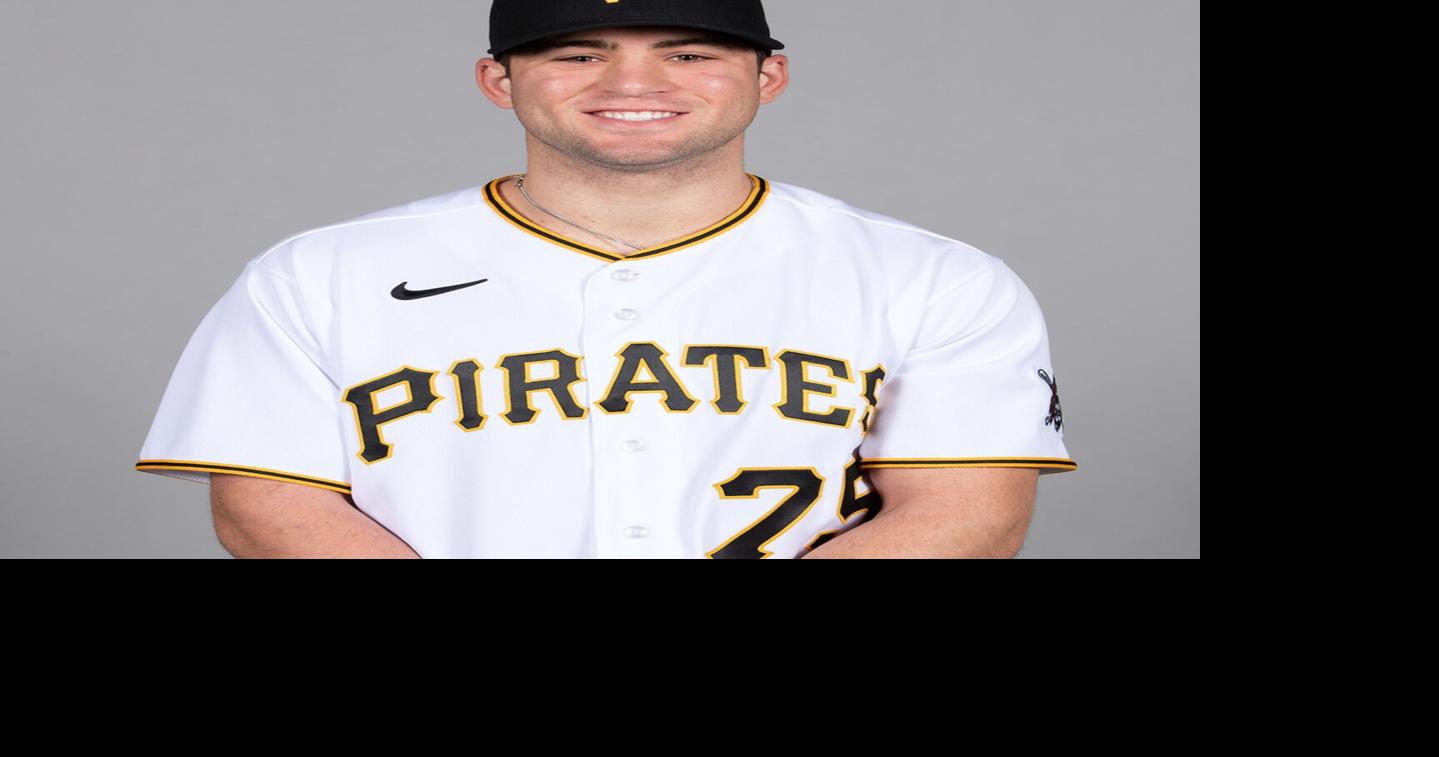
681,55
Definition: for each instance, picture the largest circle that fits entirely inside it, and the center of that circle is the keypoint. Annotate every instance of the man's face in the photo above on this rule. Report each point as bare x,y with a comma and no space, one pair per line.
717,89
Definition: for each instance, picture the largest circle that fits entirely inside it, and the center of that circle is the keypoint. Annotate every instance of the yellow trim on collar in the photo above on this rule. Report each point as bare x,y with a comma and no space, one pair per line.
747,210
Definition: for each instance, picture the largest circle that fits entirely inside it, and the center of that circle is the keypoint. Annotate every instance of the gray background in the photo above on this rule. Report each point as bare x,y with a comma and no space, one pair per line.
149,148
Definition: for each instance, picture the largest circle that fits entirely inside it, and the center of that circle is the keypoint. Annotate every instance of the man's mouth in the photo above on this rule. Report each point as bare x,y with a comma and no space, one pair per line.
636,116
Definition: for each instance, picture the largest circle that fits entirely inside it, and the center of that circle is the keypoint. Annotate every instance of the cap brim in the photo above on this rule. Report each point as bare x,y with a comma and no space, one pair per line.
769,42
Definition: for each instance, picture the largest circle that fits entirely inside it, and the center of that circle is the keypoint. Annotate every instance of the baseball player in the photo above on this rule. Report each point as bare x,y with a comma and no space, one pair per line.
634,349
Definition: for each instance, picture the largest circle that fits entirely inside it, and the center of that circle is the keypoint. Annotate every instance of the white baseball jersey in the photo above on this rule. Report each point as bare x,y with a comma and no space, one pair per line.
483,386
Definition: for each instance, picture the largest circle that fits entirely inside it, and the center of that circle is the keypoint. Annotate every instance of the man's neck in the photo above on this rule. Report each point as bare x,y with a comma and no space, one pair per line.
646,209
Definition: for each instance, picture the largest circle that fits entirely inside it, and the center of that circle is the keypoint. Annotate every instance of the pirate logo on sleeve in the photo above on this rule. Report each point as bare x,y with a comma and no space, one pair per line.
1055,418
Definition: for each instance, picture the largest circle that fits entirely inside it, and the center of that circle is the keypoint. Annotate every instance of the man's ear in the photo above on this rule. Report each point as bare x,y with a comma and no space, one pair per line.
492,80
773,78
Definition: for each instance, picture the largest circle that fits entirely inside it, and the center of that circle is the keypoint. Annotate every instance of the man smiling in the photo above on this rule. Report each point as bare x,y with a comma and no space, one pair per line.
634,349
636,132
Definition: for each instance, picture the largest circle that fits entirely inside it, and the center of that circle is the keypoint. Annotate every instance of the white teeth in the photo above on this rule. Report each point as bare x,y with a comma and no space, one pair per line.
641,116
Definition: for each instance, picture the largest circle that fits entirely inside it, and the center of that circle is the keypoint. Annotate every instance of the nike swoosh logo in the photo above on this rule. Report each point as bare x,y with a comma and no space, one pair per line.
401,293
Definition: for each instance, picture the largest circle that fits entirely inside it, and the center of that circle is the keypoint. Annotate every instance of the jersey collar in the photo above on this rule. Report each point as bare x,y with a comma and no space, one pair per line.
747,210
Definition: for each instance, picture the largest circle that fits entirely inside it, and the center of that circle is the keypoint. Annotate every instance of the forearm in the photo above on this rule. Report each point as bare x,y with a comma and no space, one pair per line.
318,534
913,534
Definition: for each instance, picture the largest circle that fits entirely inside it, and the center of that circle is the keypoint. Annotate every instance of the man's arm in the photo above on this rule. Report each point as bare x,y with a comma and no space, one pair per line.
942,513
260,518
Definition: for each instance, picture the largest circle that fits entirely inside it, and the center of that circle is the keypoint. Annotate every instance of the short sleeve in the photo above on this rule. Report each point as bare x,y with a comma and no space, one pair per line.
977,389
250,395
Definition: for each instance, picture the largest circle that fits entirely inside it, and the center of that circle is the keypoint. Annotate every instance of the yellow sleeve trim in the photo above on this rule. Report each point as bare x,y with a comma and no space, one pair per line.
1053,463
152,466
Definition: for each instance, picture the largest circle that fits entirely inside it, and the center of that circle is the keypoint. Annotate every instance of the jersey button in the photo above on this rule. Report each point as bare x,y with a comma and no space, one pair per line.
627,314
636,532
632,445
624,275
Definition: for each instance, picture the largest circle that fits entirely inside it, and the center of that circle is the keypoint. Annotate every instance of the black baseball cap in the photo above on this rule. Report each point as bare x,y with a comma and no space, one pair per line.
517,22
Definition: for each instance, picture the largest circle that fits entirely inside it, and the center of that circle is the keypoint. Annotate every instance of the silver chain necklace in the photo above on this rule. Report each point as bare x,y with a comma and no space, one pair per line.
520,185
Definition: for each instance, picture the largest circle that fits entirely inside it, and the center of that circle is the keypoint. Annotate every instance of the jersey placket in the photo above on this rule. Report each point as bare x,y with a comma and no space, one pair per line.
632,461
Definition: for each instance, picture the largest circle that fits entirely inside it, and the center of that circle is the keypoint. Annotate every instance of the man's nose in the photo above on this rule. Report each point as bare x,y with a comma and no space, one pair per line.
635,75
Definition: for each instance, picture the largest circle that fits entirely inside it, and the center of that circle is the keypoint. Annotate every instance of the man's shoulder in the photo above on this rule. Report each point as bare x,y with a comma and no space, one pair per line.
871,230
320,248
459,199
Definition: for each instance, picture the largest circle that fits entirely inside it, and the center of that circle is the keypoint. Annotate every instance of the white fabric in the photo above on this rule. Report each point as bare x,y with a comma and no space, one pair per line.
309,370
